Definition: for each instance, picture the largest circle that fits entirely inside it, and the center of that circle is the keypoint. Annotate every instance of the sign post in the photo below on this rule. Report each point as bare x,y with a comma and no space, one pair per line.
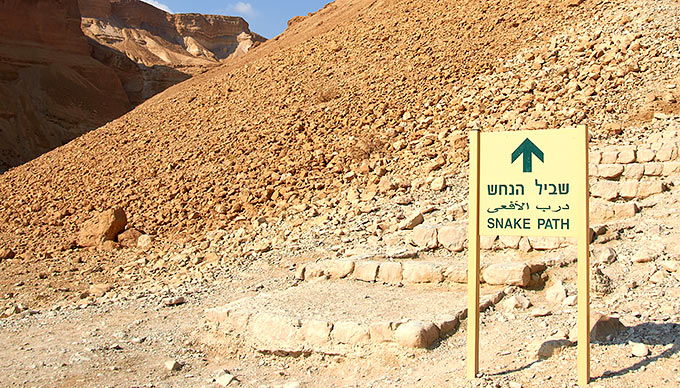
530,183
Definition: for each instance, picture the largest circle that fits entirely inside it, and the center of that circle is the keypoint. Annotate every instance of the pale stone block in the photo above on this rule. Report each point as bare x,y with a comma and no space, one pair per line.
420,272
453,236
366,270
390,273
416,334
511,274
350,333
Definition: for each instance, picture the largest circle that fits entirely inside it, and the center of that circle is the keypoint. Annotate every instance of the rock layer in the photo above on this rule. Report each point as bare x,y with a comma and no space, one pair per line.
151,49
62,75
51,89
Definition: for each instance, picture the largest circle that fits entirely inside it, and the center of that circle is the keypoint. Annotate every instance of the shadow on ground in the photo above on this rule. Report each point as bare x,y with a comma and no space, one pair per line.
651,334
648,333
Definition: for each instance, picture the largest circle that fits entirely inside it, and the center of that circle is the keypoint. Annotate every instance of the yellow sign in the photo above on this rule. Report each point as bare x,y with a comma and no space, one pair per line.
529,183
532,183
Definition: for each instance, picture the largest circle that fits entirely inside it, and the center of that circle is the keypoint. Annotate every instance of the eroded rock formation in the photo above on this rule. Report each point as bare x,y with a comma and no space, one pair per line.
51,89
62,75
151,49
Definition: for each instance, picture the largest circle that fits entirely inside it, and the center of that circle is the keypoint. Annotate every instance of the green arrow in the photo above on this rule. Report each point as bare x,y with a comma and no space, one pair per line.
527,148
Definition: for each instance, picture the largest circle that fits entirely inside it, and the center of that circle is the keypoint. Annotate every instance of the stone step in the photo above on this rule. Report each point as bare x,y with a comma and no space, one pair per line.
336,317
440,271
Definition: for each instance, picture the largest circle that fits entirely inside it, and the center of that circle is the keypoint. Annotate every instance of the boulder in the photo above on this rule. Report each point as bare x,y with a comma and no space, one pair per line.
145,241
453,236
6,254
515,302
338,269
456,274
552,347
411,221
511,274
350,333
556,294
273,331
104,227
416,334
603,327
425,236
420,272
129,237
100,289
366,270
390,273
316,332
381,332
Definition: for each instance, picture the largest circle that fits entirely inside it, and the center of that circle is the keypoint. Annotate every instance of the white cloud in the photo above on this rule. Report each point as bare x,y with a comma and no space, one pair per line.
242,9
159,5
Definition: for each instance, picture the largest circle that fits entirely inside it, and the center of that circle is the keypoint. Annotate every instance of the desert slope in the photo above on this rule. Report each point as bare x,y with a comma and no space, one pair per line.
259,138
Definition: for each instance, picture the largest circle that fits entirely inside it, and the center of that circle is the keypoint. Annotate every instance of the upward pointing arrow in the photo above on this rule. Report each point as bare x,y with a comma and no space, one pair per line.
527,148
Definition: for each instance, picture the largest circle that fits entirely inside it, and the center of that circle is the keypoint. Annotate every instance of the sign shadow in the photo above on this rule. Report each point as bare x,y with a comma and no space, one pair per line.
649,335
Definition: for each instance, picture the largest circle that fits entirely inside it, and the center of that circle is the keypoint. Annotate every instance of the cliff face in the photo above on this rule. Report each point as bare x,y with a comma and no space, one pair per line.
51,89
69,66
166,48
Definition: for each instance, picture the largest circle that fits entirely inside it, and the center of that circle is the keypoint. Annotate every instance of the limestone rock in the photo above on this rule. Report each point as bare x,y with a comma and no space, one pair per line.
416,334
145,241
420,272
6,254
639,350
556,294
453,236
338,269
350,333
486,242
411,221
670,265
390,273
456,274
606,256
100,289
316,332
511,274
625,209
658,277
545,243
650,188
104,227
425,236
603,327
515,302
605,190
438,184
610,171
224,378
129,237
552,347
447,324
173,365
366,270
274,331
174,301
644,256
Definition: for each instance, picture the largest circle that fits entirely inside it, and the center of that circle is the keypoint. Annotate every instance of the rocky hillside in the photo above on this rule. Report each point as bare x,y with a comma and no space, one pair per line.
57,83
298,216
345,96
151,49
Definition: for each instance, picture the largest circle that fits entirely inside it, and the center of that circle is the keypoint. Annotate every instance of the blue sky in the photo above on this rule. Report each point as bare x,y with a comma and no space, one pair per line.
266,17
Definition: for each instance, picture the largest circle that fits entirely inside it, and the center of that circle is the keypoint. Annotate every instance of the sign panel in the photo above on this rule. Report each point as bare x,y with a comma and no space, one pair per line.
529,183
532,183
